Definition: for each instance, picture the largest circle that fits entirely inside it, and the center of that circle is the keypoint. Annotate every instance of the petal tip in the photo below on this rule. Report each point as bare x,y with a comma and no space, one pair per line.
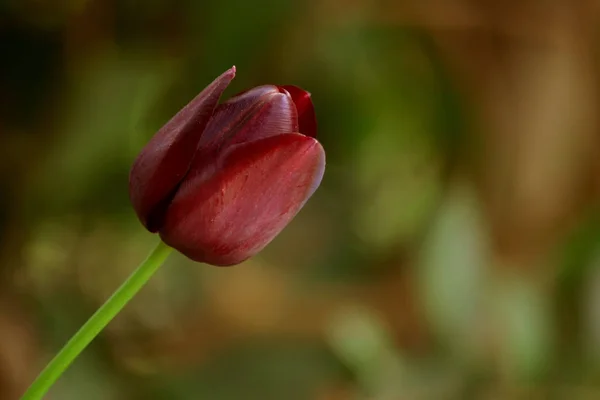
227,76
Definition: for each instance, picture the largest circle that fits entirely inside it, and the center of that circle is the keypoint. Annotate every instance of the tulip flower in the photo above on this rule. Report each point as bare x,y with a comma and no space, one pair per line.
218,182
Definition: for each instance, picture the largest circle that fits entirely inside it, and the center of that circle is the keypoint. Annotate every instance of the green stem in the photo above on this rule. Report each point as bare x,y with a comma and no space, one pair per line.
97,322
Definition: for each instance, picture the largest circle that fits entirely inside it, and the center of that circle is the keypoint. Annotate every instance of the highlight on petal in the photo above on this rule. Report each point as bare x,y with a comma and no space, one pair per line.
276,116
306,111
164,161
230,116
257,190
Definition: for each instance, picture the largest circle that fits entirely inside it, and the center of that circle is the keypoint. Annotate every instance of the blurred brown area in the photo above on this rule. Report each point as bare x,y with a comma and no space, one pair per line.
452,251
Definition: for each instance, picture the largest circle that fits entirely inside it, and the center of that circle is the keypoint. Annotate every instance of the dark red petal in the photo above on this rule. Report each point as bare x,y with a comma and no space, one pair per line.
259,187
254,114
306,110
231,115
274,114
275,117
164,161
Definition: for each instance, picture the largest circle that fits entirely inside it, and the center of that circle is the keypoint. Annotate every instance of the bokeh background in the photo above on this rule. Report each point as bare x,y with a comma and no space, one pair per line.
452,251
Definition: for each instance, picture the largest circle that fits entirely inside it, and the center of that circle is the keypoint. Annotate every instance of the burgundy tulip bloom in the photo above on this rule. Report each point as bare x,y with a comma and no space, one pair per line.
219,181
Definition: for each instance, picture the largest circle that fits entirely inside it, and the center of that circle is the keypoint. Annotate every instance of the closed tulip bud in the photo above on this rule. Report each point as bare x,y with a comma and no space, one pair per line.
219,181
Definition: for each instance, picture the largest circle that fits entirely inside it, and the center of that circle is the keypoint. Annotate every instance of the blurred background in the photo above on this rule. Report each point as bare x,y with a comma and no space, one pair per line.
452,251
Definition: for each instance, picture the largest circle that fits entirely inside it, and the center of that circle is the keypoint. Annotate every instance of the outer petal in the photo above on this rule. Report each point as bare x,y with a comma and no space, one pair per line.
275,117
306,110
164,161
260,187
273,114
233,116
